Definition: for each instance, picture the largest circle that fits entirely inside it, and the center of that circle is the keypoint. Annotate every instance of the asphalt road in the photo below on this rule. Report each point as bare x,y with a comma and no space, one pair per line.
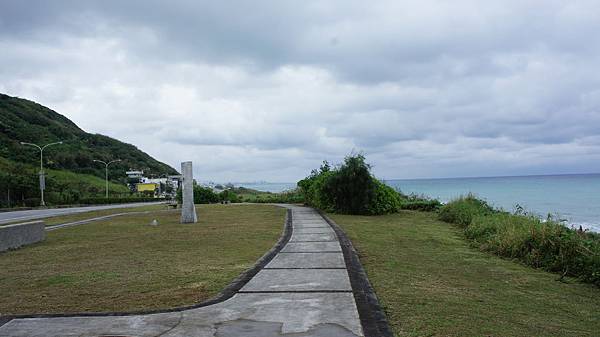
6,217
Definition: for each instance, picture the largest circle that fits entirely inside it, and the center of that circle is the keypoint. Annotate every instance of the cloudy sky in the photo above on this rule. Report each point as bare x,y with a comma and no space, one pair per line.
266,90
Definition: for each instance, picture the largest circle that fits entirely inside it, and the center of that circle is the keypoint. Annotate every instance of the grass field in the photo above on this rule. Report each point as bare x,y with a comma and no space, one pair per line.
432,283
56,220
124,264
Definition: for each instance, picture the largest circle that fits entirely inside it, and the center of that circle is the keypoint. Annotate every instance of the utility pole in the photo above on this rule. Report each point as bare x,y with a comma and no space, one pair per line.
106,171
42,177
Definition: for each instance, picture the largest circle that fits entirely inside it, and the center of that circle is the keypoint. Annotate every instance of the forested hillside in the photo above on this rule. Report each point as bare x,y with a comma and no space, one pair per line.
22,120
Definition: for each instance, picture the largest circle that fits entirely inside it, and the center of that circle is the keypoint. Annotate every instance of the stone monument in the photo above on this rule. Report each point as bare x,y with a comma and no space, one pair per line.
188,211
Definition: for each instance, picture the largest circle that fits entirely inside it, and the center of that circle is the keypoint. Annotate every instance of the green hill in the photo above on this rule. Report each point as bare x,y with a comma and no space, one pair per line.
22,120
19,186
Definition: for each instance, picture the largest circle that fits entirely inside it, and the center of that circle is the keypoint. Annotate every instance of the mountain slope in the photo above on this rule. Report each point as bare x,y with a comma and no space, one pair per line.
24,120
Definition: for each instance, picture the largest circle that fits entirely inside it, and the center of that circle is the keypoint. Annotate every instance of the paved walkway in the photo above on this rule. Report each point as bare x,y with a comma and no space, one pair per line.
303,291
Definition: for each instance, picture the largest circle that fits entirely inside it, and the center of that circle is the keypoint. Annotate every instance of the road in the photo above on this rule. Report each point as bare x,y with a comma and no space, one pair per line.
6,217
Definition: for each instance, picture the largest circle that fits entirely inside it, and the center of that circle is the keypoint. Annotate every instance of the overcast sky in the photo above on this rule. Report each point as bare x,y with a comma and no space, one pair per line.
266,90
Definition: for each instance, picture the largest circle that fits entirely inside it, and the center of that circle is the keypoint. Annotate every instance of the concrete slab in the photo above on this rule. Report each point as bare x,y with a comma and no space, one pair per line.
313,237
313,230
264,315
307,260
314,225
299,280
298,247
140,326
320,223
294,313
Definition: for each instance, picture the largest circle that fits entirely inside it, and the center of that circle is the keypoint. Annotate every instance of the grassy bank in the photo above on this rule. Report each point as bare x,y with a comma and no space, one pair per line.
541,244
433,283
20,182
124,264
57,220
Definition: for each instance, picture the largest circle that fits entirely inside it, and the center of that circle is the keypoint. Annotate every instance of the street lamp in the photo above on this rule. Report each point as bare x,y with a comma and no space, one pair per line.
42,179
106,172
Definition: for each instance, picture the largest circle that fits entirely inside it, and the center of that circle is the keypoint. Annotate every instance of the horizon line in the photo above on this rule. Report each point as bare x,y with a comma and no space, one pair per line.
439,178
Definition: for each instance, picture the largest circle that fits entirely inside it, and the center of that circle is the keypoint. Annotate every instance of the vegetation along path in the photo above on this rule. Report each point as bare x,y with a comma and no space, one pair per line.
304,290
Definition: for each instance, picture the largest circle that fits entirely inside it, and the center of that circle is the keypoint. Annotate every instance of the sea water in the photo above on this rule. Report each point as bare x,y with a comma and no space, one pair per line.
575,198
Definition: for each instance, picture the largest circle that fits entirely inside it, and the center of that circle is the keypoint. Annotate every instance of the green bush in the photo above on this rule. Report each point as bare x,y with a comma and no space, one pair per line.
462,210
202,195
349,189
228,196
419,203
541,244
352,188
386,200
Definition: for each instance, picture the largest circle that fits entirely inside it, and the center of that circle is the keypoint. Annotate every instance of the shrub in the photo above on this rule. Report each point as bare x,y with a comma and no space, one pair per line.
417,203
228,196
202,195
31,202
352,188
386,200
462,210
349,189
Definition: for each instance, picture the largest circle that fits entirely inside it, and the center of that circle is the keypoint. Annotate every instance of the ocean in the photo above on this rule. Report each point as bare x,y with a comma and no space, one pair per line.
574,197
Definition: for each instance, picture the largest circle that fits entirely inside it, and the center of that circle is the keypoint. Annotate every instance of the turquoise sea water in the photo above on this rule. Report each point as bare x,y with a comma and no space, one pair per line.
575,198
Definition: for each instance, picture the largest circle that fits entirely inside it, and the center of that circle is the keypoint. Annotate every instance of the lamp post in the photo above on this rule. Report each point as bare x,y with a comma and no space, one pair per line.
42,179
106,171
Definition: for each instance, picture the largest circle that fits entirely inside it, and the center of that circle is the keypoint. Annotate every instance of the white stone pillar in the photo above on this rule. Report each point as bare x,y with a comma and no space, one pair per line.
188,211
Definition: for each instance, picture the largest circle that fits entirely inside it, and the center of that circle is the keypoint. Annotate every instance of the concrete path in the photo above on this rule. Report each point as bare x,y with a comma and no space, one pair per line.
303,291
14,216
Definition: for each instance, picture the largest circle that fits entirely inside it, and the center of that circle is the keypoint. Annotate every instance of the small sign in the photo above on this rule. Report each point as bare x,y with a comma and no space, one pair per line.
42,181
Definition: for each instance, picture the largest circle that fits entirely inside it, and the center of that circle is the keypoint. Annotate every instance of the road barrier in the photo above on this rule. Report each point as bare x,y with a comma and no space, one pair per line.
18,235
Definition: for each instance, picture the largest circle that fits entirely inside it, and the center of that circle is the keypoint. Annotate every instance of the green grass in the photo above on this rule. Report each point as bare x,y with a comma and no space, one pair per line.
73,180
57,220
124,264
546,244
432,283
62,187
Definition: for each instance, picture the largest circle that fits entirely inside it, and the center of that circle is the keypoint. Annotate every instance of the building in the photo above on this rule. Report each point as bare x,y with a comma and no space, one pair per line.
147,187
134,177
165,187
134,174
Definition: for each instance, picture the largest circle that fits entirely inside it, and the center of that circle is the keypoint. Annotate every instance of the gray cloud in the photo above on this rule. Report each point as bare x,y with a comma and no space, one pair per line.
268,89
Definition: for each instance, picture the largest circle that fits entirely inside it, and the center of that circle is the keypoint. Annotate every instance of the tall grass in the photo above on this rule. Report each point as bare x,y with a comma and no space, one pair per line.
462,210
545,244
